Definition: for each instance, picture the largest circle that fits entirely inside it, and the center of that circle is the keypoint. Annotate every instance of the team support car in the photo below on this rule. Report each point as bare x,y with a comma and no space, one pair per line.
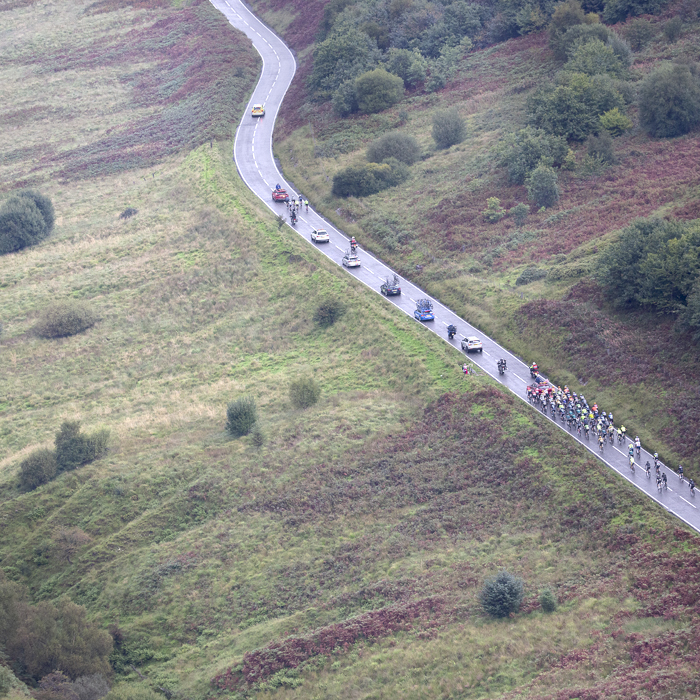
320,235
472,344
390,287
424,310
280,195
351,259
258,111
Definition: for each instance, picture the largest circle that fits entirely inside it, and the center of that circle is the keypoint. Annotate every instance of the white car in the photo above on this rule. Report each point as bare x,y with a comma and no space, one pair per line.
319,235
472,344
351,260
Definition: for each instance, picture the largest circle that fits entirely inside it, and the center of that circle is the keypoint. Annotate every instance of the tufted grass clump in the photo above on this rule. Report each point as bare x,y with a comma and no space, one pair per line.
64,319
328,312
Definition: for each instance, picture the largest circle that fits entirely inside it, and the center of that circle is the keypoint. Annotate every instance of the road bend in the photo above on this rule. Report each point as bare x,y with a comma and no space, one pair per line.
256,165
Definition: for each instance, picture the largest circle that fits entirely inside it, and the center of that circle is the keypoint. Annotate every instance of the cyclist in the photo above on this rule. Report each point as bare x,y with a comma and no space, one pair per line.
601,442
664,480
658,482
630,452
623,430
619,436
657,461
647,467
638,446
680,471
691,483
632,463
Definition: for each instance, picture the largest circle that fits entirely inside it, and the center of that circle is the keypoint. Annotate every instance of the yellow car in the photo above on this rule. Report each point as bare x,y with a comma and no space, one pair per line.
258,111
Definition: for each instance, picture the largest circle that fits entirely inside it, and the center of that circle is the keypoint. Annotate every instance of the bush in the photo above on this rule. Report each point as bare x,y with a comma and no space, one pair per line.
654,263
564,44
572,108
44,205
494,211
669,101
409,65
73,448
37,469
594,58
502,595
449,128
569,162
639,33
241,416
132,691
601,147
543,187
521,152
394,145
530,274
548,601
92,687
304,392
672,29
257,437
519,213
64,319
378,90
615,122
364,180
689,317
345,99
128,213
328,312
22,224
620,10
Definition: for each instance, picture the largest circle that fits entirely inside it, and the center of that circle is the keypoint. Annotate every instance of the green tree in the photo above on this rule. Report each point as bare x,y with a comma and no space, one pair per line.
601,147
567,15
548,601
502,595
410,65
22,224
395,144
594,58
542,186
522,151
494,211
519,213
342,56
573,107
74,448
241,416
669,101
345,99
673,29
690,315
37,469
449,128
378,90
620,10
44,205
364,180
639,33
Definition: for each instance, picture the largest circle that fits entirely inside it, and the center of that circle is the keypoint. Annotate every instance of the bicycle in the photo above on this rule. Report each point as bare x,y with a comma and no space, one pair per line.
647,466
632,464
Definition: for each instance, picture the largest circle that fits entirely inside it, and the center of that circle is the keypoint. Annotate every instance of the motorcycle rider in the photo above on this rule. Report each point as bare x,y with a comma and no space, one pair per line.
451,331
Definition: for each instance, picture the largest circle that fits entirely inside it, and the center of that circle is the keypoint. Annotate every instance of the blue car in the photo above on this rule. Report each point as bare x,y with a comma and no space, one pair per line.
424,310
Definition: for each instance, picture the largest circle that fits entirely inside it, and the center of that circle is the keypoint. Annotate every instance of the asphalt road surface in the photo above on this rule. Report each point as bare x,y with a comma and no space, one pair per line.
256,165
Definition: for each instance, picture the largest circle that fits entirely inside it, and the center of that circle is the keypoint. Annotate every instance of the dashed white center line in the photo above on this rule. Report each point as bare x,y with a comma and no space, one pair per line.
688,502
339,248
486,353
519,377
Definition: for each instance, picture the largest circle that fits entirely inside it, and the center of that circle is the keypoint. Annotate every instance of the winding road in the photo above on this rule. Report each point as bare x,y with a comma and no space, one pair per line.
256,165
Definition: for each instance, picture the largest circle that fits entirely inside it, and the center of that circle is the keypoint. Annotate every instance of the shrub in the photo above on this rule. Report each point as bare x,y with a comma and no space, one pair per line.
672,29
542,186
522,151
55,686
128,213
573,107
64,319
689,317
132,691
345,99
639,33
73,448
22,224
601,147
44,205
519,213
494,211
620,10
92,687
328,312
569,162
409,65
530,274
548,601
594,58
364,180
241,416
403,147
37,469
615,122
591,166
621,49
378,90
449,128
669,101
502,595
257,437
563,45
69,541
304,392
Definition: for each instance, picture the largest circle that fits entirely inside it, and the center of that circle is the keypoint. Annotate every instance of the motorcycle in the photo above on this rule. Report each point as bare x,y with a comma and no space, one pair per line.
451,331
502,366
293,218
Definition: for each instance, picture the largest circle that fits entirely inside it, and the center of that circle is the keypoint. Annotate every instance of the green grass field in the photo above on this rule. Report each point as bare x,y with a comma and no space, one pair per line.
382,508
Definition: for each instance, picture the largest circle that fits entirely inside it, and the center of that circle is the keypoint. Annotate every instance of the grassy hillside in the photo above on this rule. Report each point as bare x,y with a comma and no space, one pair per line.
343,557
431,228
